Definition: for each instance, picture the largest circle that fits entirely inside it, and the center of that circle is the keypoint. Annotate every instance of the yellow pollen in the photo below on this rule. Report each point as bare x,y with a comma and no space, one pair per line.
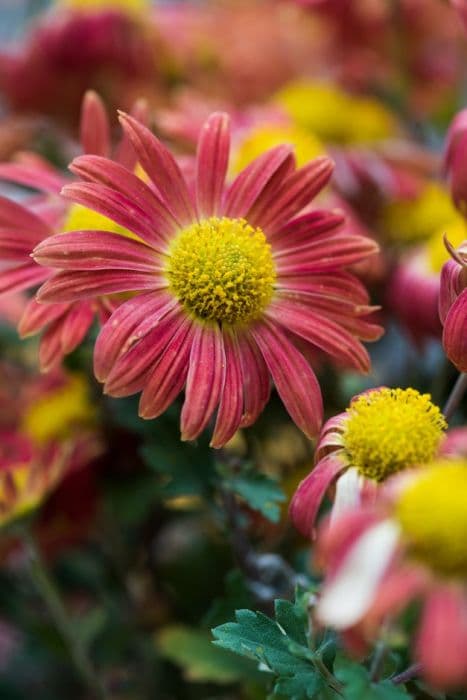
388,430
222,270
432,512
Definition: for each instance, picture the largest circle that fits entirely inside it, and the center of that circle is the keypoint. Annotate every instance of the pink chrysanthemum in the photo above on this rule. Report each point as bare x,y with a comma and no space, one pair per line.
453,306
63,325
409,546
224,280
383,431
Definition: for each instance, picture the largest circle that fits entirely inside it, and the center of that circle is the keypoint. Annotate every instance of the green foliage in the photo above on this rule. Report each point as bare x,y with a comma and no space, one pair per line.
357,684
259,491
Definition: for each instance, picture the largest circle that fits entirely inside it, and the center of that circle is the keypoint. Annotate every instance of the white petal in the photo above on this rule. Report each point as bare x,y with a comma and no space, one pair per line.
348,489
350,593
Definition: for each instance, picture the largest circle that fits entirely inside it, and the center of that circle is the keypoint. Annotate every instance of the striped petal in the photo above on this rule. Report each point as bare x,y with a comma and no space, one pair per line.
339,285
36,316
455,333
22,277
294,379
309,495
161,167
321,332
85,284
256,381
326,252
75,324
304,228
94,125
113,175
168,377
230,411
124,152
212,160
96,250
15,217
204,380
267,170
39,178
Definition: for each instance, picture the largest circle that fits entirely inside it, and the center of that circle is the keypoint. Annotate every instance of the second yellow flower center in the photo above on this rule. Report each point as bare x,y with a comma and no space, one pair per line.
432,512
222,270
388,430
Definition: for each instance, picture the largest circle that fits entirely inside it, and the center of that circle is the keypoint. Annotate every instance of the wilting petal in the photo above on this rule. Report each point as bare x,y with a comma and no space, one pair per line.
204,380
348,595
94,125
307,498
212,160
294,379
297,190
455,333
116,206
96,250
230,410
168,377
107,172
71,286
320,331
442,638
22,277
120,331
256,381
162,168
252,182
36,316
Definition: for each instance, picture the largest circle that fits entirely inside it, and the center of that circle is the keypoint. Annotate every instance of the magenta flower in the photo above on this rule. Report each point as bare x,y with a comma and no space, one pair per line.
63,325
453,306
225,280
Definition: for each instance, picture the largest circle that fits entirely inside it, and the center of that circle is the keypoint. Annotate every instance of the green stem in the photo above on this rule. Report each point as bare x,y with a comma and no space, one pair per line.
455,396
378,661
53,601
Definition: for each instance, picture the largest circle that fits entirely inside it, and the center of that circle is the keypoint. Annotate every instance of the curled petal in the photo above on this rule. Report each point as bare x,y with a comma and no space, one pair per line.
455,333
294,379
451,285
204,380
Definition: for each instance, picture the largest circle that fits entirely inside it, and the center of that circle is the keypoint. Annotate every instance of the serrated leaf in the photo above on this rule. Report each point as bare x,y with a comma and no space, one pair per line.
259,491
291,619
201,661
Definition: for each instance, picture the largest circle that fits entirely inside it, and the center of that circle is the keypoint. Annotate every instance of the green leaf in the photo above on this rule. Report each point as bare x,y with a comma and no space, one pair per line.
358,685
280,647
201,661
259,491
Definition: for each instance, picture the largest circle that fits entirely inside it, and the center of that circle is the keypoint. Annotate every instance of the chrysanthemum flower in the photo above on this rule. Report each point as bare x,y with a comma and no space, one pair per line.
223,280
409,546
384,431
63,326
453,306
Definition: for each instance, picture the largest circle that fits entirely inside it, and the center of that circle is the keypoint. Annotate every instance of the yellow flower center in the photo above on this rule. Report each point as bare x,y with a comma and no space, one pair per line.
222,270
388,430
432,512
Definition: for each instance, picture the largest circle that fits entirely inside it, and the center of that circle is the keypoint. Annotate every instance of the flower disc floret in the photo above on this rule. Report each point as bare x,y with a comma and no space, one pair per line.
432,512
222,270
388,430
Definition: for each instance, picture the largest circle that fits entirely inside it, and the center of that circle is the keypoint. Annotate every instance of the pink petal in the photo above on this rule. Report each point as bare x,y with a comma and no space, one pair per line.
294,379
337,284
256,381
75,325
116,206
50,348
143,350
43,179
451,285
30,227
84,284
396,590
269,168
14,247
303,229
94,125
326,252
124,152
321,332
212,160
117,177
309,495
162,169
96,250
36,316
168,377
22,277
442,638
296,191
230,411
122,329
455,333
204,380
